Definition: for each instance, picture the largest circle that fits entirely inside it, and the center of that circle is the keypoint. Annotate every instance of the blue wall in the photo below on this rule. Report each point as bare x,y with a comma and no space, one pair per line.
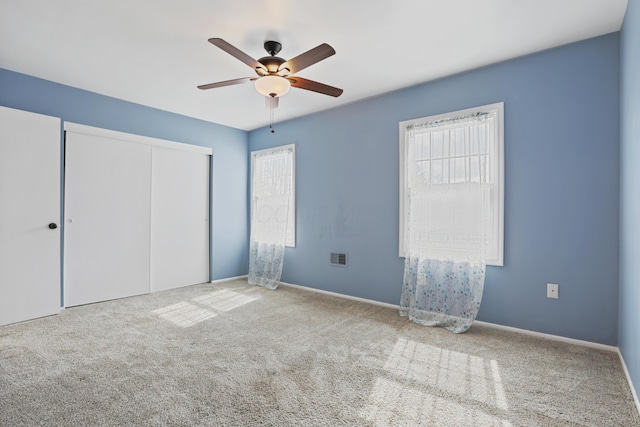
629,338
561,194
229,254
562,110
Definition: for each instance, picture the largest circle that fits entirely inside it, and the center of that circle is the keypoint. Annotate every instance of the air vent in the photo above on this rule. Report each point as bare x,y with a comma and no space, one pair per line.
339,259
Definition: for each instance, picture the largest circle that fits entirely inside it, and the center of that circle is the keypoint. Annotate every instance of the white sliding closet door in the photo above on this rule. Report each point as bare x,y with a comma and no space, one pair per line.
137,214
29,215
107,212
179,218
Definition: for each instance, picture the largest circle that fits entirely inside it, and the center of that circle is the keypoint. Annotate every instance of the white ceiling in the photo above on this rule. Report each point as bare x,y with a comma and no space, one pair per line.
155,52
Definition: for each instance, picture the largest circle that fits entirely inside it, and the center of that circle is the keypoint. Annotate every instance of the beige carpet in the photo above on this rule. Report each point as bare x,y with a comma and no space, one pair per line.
237,355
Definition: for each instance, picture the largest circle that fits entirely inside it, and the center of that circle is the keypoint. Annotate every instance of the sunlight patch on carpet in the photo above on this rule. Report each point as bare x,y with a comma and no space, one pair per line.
184,314
501,400
391,401
461,374
224,300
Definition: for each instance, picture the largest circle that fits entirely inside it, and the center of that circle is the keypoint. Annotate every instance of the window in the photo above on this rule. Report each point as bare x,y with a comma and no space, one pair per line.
464,146
273,194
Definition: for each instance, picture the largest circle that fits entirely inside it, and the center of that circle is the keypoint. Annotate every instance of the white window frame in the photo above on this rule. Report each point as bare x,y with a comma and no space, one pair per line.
291,237
496,256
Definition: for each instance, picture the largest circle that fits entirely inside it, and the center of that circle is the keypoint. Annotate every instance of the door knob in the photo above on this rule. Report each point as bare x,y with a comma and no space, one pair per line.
53,225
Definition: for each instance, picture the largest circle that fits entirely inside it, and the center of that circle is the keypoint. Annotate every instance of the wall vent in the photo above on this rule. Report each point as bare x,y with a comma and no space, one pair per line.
339,259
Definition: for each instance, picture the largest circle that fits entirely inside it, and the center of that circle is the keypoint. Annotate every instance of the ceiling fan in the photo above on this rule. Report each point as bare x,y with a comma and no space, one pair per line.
275,75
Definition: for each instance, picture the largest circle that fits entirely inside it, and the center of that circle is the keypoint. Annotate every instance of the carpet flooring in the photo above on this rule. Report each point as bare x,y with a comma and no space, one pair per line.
231,354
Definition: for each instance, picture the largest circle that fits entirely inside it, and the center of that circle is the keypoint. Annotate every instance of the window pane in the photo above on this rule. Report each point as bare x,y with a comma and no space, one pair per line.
436,145
436,172
482,142
473,140
445,171
273,196
424,169
459,142
446,145
425,145
458,173
474,169
460,146
418,148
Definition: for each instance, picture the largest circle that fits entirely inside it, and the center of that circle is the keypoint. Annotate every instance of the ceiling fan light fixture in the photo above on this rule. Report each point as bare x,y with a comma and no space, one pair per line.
273,86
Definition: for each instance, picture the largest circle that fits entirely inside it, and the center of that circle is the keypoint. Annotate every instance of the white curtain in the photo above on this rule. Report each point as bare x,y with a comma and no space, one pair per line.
271,194
448,197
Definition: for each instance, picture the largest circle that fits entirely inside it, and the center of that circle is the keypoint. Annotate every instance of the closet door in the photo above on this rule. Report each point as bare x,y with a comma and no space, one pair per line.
179,218
107,214
29,215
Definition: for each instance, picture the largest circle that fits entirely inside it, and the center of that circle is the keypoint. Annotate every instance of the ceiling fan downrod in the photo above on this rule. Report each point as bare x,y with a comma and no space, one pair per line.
272,47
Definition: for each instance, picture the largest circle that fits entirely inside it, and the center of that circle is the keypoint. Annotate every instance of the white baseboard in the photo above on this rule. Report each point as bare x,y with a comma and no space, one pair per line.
335,294
633,389
549,336
228,279
490,325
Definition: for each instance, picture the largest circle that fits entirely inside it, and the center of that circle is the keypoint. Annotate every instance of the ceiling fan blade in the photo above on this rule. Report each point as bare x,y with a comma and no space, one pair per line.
301,83
226,83
237,53
308,58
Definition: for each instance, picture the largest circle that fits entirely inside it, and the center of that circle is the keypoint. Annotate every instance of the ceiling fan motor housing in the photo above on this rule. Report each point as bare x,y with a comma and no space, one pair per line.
271,63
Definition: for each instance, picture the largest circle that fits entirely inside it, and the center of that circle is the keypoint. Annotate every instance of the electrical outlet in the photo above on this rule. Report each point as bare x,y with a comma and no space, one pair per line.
552,290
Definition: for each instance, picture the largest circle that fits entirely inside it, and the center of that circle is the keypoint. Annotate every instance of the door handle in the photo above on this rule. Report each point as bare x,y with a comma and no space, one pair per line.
53,225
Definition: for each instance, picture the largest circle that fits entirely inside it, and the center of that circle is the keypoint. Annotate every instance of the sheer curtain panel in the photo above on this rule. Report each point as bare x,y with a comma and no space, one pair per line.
271,194
447,195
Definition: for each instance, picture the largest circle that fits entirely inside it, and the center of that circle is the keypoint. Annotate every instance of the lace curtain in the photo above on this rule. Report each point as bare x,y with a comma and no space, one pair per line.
271,189
447,194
